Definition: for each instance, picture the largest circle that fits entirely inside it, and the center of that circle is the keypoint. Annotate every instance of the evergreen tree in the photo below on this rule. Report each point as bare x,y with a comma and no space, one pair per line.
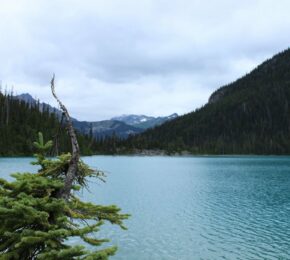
20,122
36,224
40,212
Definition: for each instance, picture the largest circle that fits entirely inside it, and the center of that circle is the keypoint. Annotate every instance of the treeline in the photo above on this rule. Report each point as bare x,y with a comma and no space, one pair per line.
20,122
249,116
108,145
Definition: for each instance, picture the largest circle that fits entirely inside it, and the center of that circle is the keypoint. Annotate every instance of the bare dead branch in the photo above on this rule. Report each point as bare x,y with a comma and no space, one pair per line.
72,171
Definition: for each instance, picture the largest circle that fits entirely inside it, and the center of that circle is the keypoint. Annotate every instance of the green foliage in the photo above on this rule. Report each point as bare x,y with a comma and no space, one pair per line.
248,116
36,224
20,122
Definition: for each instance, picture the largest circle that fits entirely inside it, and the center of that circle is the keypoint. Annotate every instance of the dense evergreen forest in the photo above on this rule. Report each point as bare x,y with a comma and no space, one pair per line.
248,116
20,122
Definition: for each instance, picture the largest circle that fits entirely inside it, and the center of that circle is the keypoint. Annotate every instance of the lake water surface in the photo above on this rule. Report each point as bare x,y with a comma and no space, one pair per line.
192,207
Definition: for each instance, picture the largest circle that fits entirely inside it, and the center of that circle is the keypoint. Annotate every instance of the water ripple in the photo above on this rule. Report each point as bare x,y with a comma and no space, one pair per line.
196,208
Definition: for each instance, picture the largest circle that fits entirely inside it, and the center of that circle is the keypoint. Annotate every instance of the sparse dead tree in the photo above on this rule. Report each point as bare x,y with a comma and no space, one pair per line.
72,171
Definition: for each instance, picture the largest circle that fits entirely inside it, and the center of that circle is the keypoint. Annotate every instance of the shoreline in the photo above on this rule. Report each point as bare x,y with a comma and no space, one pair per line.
153,153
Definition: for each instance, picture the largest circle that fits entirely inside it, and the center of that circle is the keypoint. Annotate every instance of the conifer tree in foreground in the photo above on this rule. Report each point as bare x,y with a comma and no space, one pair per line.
40,212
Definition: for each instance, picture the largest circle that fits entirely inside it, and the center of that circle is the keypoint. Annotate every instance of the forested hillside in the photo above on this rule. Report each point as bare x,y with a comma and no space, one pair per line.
248,116
20,122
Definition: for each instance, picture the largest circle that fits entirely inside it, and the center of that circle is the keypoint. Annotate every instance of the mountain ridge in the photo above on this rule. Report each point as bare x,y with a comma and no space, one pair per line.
247,116
143,121
121,126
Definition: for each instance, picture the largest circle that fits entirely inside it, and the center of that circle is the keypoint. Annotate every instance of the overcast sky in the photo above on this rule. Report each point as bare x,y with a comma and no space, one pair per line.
114,57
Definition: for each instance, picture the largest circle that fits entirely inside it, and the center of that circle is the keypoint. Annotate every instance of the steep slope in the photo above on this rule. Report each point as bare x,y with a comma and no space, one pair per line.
248,116
43,107
20,122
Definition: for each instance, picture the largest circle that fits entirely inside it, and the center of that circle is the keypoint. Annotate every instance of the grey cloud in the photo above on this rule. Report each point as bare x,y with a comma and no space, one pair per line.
120,56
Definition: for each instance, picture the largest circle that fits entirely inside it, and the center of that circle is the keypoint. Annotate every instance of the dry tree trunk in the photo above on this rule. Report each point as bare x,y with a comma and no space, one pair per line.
72,171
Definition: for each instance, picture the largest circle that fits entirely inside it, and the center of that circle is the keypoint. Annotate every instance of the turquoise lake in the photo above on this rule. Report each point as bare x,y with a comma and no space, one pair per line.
192,207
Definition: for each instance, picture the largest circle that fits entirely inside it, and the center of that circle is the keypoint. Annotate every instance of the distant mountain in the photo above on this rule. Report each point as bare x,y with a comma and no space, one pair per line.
133,119
248,116
122,126
101,129
142,121
26,97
